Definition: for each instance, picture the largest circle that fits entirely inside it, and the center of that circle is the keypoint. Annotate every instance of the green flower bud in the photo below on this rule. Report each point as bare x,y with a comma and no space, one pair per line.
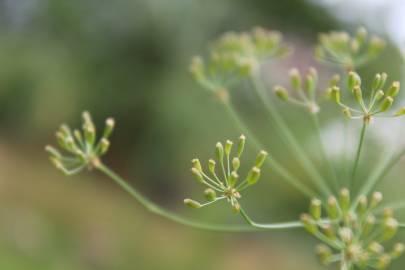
228,147
334,80
390,228
316,209
191,203
379,95
253,176
353,252
400,112
78,136
332,208
353,80
335,94
386,104
235,163
241,145
344,199
310,81
397,251
376,81
368,224
388,213
89,134
109,127
233,178
329,231
281,93
53,151
197,175
383,261
375,248
362,205
211,166
219,151
295,78
196,164
358,95
261,157
61,139
324,253
383,80
104,146
394,89
210,194
376,199
309,224
57,163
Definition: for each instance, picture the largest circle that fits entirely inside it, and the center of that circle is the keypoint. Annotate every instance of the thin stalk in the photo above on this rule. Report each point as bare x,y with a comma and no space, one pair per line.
156,209
277,226
358,154
290,141
332,170
294,181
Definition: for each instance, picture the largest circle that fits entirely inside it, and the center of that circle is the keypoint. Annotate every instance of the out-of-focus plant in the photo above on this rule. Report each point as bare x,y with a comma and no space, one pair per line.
357,225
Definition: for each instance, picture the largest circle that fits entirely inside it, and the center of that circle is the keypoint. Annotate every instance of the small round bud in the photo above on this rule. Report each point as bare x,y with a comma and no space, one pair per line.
386,104
109,127
228,147
362,205
383,261
376,248
394,89
346,234
390,228
295,78
211,166
191,203
388,213
335,94
376,81
329,231
309,224
53,151
353,80
346,112
281,93
197,175
235,163
104,146
324,253
196,164
397,250
219,151
332,208
369,224
233,178
344,199
376,199
379,95
210,194
353,252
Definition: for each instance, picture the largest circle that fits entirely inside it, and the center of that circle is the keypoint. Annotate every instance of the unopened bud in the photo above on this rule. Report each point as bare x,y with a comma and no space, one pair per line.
281,93
316,209
53,151
332,208
196,164
324,253
235,163
104,146
376,199
334,80
398,250
329,231
379,95
390,228
228,147
388,213
376,81
219,152
383,261
375,248
233,178
109,127
241,145
253,176
344,199
346,234
261,157
89,134
346,112
309,224
335,94
295,79
368,224
197,175
191,203
353,80
362,205
210,194
358,95
394,89
211,166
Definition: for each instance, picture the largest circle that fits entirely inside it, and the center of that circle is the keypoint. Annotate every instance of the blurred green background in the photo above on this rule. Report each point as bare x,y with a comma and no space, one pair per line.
128,59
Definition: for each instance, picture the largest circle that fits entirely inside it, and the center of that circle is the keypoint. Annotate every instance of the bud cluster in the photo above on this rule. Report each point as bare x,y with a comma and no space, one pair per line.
235,56
353,234
223,181
83,148
305,90
349,51
379,101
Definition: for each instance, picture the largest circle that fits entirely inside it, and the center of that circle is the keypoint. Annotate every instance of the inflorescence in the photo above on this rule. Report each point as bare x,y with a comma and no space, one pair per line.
379,101
353,234
223,177
83,148
349,51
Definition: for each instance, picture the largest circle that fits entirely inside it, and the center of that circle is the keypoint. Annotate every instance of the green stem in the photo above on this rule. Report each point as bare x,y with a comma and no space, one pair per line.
289,139
294,181
156,209
358,154
332,171
277,226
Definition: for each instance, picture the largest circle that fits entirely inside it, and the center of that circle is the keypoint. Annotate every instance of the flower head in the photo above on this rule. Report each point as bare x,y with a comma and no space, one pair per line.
349,51
82,148
223,181
354,233
379,102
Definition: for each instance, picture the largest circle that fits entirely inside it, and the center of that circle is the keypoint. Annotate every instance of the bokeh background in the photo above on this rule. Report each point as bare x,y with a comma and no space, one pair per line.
128,59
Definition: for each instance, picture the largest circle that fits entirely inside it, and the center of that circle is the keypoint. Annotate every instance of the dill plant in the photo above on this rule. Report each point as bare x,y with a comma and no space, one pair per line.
353,225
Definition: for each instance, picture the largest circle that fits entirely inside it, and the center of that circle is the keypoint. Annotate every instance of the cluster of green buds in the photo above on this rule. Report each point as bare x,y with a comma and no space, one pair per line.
380,101
305,90
82,148
235,56
353,234
348,51
223,181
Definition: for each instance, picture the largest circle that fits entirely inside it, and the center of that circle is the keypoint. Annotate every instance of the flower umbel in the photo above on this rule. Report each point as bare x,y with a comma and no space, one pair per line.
355,233
379,101
223,177
349,51
81,147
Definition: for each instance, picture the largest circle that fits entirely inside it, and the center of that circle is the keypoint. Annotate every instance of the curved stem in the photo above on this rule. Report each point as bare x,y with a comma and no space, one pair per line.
289,139
276,226
156,209
332,171
358,154
294,181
